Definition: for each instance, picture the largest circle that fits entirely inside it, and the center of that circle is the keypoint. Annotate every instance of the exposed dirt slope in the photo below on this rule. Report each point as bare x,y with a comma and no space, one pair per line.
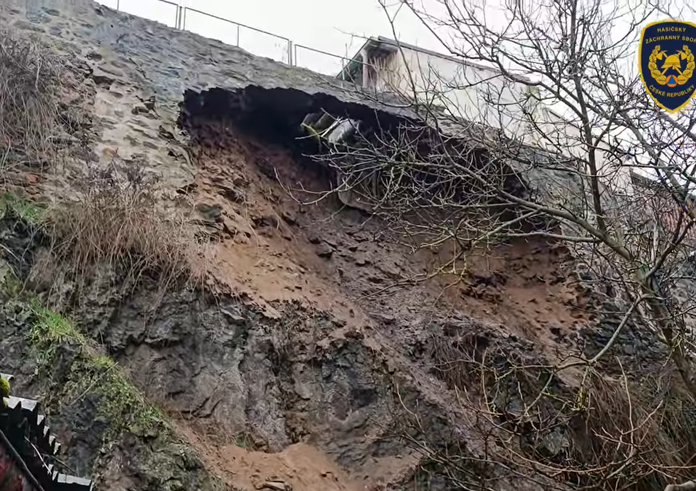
333,258
298,465
338,260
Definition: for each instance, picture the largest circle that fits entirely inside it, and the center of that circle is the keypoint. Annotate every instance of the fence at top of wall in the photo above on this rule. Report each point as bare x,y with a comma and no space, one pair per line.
251,39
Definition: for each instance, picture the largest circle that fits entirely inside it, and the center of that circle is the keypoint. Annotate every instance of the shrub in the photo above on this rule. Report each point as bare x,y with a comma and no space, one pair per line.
30,86
116,222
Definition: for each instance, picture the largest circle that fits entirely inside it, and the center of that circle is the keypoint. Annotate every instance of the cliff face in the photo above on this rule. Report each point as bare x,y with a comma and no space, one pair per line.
308,356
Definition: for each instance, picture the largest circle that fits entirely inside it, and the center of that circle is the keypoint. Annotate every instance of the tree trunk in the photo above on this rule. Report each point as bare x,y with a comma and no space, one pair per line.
672,327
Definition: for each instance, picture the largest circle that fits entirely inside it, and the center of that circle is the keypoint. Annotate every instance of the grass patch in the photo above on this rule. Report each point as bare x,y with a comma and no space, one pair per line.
120,403
31,84
25,210
10,286
90,374
49,332
245,441
117,223
610,432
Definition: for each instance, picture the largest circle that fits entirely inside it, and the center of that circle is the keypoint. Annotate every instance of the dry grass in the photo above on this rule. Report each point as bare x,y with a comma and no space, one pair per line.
623,433
117,224
645,430
30,87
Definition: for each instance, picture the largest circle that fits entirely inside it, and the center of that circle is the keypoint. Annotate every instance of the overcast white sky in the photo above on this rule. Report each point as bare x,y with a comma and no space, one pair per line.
336,26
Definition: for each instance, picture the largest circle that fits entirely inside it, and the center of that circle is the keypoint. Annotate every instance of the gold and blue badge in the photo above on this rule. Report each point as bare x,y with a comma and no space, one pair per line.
667,63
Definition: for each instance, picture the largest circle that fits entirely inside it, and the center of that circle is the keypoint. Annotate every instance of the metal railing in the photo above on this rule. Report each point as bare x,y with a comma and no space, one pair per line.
158,10
265,43
337,62
247,37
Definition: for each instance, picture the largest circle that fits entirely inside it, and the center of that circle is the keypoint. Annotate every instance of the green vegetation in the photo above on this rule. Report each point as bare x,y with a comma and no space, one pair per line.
21,208
4,387
106,227
10,286
55,341
49,332
91,374
244,440
72,370
121,404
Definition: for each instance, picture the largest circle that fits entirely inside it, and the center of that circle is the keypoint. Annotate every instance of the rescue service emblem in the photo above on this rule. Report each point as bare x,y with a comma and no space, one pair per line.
667,63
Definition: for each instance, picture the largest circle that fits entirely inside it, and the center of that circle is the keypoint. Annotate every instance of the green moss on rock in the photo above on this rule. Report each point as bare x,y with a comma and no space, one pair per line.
91,373
21,208
131,440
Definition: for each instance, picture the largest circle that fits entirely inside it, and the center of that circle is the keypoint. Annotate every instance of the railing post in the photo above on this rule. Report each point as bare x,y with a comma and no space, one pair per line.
180,23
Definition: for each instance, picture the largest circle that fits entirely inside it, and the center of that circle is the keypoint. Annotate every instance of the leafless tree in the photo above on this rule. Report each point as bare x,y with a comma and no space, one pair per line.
546,131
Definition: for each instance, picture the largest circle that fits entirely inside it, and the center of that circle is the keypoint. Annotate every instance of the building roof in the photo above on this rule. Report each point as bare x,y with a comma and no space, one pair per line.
26,431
